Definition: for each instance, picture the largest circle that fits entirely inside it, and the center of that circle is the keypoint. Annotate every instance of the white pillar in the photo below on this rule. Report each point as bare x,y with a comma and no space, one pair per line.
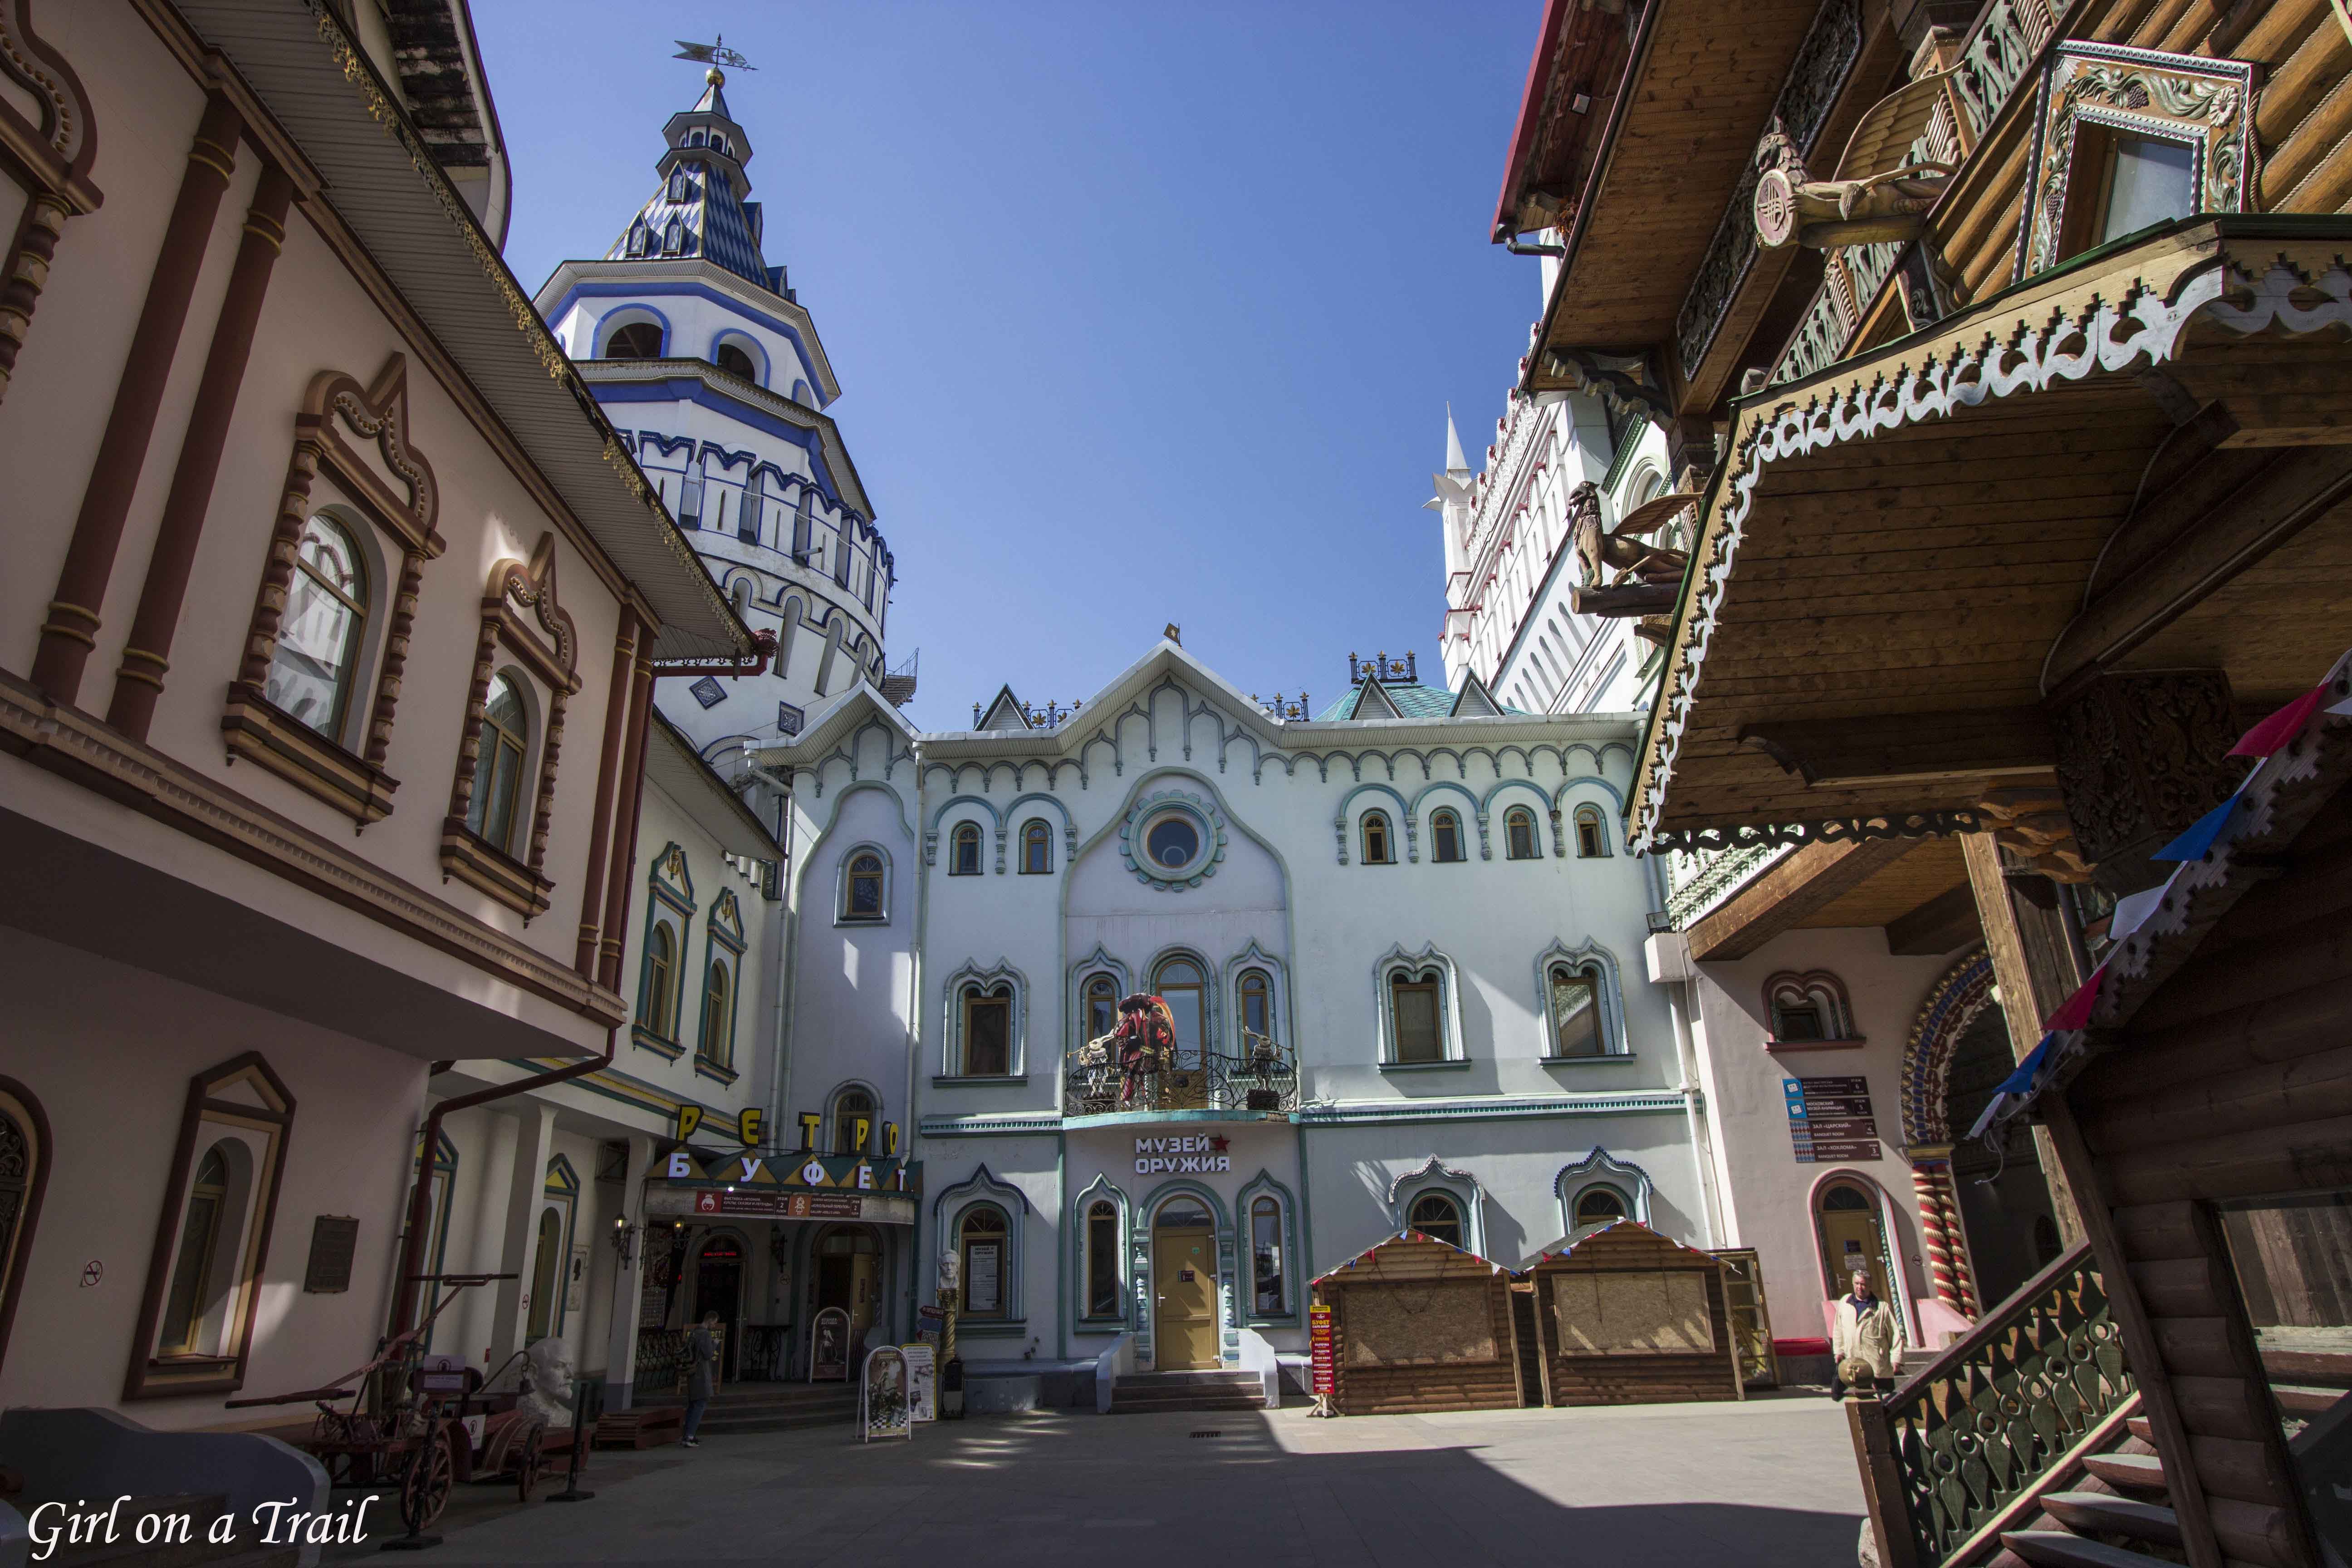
534,1143
628,1282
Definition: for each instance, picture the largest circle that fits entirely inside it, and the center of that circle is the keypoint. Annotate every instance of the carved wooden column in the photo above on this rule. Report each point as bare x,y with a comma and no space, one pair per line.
2140,758
68,633
1940,1228
2033,966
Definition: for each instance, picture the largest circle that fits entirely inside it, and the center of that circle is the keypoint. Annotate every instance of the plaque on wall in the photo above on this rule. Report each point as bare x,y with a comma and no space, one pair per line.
1829,1119
983,1286
334,1242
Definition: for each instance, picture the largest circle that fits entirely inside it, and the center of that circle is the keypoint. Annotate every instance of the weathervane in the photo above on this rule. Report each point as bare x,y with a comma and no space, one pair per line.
714,53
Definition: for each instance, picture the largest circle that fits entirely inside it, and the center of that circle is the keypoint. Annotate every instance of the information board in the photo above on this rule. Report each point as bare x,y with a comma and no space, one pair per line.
1829,1119
1318,1345
922,1381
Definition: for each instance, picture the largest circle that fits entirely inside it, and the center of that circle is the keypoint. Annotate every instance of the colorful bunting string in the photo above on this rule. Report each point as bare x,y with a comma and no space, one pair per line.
2278,731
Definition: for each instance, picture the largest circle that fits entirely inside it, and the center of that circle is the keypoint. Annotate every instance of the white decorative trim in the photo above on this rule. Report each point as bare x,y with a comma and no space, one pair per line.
1601,1168
1452,1048
1609,996
952,1042
1432,1176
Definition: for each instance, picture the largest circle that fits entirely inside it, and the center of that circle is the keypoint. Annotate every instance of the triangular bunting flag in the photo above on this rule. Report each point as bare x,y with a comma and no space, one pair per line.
2020,1082
2193,844
2133,911
2278,731
2075,1013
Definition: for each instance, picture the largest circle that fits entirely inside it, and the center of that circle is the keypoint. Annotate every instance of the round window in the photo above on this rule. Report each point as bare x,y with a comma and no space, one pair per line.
1173,841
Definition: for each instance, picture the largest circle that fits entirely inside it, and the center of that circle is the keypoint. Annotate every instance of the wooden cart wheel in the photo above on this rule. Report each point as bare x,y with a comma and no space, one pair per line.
424,1485
527,1477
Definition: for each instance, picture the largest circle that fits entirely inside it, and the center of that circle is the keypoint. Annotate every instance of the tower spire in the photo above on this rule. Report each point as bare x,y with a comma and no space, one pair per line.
1454,462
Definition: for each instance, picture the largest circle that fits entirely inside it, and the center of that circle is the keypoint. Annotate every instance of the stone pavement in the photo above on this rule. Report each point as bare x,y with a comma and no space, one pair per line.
1769,1482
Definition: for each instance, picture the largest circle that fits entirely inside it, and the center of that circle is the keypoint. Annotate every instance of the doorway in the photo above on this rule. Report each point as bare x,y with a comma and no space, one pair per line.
1184,1288
849,1275
719,1287
1853,1238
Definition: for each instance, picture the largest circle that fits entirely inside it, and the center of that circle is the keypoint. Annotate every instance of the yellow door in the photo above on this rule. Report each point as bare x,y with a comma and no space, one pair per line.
1852,1238
1184,1292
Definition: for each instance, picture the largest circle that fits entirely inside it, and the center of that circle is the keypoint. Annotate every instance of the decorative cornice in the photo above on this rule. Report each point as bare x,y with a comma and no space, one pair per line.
1499,1108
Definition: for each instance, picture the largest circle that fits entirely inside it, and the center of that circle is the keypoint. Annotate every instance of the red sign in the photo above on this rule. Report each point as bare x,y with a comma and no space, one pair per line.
781,1206
1318,1343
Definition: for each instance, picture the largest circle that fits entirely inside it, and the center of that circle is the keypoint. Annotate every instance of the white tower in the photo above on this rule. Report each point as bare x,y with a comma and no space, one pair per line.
1454,505
703,359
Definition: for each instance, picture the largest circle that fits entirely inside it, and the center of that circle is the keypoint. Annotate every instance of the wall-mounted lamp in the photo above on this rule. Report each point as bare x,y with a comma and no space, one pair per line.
625,1239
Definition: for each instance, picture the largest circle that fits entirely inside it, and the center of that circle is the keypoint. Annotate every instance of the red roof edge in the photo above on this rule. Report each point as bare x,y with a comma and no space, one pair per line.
1523,133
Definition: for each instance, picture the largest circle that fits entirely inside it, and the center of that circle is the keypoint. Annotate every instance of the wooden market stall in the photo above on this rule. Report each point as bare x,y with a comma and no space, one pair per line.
1419,1324
1626,1317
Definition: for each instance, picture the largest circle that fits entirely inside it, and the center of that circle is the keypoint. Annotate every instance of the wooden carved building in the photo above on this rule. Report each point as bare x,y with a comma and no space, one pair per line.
2004,349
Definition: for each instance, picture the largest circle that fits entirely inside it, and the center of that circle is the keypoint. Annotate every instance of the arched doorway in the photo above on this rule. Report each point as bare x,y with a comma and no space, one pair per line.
1852,1237
1185,1287
719,1287
849,1275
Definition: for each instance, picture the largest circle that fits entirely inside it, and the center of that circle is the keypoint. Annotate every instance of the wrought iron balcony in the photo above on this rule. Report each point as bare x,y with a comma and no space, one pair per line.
1261,1080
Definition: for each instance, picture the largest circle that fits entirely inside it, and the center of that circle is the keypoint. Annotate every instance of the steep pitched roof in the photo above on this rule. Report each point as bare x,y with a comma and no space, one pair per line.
1411,699
1475,701
1005,713
713,223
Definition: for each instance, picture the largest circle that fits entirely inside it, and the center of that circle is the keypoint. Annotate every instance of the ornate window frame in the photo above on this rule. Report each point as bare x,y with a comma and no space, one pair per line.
669,900
1454,1051
1440,819
983,1188
336,412
1813,987
548,651
1037,830
1432,1176
722,944
1535,833
1586,815
1140,1266
1265,1185
1208,822
560,1191
1277,1000
953,1067
1102,1189
241,1099
1098,962
841,875
2208,104
1601,1168
1609,996
964,833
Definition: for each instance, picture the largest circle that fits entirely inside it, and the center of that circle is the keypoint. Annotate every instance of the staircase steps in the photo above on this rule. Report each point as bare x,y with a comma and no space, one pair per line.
780,1407
2303,1399
2058,1549
2129,1472
2103,1513
1138,1393
2142,1429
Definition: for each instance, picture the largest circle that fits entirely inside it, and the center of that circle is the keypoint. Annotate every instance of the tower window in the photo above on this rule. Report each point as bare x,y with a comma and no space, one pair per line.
639,237
732,359
676,190
673,238
639,340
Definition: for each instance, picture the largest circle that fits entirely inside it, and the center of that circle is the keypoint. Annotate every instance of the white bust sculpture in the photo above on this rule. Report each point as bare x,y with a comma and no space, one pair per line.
546,1383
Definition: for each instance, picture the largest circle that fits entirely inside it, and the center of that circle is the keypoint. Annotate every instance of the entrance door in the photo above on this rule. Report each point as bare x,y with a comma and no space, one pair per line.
719,1287
1184,1288
1852,1238
849,1275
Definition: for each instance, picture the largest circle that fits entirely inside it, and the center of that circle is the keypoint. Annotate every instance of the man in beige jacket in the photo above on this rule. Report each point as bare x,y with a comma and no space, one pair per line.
1863,1343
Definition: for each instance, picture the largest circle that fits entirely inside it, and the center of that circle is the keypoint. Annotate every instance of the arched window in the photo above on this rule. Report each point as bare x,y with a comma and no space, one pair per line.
734,360
1598,1206
1810,1007
1380,848
984,1239
1592,837
1106,1288
674,234
1445,835
1036,850
1417,1015
802,395
861,897
546,1276
657,997
1100,1006
718,1043
1179,983
695,138
1576,1011
676,191
740,591
1270,1277
1437,1217
853,1122
803,525
190,1300
313,667
1256,996
963,850
639,340
499,746
638,236
987,1029
1519,833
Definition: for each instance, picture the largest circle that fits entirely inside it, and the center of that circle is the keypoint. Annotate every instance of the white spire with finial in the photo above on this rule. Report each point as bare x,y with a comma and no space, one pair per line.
1454,462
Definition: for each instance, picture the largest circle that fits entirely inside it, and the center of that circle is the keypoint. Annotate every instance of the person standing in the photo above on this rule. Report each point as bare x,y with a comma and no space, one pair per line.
702,1373
1862,1341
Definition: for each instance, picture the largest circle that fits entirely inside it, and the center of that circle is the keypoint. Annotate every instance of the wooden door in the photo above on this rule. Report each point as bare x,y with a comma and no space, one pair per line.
1184,1296
1852,1238
865,1297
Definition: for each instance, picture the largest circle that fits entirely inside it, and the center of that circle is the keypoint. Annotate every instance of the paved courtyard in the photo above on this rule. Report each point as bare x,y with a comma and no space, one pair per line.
1767,1482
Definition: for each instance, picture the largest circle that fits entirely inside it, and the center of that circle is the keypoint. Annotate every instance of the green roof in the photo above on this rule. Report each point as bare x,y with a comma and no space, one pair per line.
1412,700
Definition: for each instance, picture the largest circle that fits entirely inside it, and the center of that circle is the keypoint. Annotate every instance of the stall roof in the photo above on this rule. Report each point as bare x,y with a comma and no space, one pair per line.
1575,1238
1365,1256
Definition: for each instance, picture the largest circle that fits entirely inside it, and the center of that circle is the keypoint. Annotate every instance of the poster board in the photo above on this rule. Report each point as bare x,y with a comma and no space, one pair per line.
1421,1325
922,1381
829,1346
1318,1343
983,1278
882,1404
1661,1313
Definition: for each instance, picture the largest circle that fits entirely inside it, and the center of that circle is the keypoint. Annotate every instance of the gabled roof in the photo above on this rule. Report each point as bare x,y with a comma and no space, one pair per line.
1411,699
1373,702
1473,700
1004,712
1626,1230
1365,1260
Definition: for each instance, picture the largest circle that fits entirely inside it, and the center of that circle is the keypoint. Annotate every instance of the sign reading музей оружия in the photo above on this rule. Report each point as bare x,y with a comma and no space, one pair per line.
1831,1119
1195,1154
785,1185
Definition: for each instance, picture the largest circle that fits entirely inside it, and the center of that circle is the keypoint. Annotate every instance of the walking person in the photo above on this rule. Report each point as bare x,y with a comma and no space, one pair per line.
702,1373
1862,1341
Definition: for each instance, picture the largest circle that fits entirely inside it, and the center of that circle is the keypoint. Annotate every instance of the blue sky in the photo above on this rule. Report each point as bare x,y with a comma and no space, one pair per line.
1141,313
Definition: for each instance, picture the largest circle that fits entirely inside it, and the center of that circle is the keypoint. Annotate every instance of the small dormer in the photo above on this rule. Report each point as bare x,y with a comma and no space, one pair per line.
1004,714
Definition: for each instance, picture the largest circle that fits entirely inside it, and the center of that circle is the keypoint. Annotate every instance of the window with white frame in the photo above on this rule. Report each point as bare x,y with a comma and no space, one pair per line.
1577,1027
1106,1273
1416,1009
322,636
1808,1008
1269,1268
984,1028
864,888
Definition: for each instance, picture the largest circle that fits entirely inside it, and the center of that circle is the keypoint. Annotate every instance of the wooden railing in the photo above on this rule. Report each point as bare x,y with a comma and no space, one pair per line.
1982,1428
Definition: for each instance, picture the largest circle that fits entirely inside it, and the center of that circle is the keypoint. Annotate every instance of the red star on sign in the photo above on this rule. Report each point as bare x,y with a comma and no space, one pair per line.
1219,1143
